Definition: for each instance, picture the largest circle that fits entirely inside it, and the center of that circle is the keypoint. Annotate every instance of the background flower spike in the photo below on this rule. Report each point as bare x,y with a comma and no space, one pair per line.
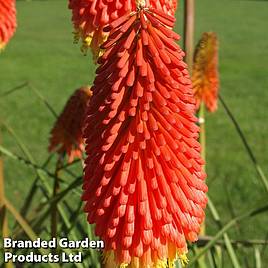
144,182
205,72
66,135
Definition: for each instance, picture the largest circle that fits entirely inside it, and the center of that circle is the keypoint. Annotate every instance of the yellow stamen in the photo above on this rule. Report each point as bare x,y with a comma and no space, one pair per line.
140,3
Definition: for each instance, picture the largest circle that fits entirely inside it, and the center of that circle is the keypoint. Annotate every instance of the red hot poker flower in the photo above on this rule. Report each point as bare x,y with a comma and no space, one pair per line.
144,183
205,71
66,135
7,21
90,16
175,4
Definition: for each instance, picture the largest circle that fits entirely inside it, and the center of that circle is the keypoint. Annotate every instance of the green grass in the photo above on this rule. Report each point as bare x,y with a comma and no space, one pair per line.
42,52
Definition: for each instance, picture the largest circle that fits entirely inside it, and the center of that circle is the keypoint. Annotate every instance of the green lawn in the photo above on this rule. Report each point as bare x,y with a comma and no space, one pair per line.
43,53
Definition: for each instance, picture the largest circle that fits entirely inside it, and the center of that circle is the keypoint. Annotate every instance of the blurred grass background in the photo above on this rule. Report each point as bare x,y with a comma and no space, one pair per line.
42,52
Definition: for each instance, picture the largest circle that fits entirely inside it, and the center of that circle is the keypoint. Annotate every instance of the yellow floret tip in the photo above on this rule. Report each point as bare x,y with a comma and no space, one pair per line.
2,46
161,264
171,263
184,260
86,44
88,40
124,265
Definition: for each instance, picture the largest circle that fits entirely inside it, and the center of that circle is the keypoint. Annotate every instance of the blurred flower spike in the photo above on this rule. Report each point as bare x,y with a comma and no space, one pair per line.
205,72
90,16
66,135
8,21
144,182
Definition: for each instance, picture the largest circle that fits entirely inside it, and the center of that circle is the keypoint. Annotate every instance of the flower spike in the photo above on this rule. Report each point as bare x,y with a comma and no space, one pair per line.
8,22
66,135
205,72
90,17
144,182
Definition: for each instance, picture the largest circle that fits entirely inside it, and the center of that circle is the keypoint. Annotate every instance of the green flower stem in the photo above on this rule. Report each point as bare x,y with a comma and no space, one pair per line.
189,17
4,232
246,144
202,140
54,206
226,227
189,20
27,229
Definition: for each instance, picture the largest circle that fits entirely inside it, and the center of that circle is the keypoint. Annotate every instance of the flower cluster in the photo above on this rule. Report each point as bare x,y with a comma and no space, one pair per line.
205,71
67,133
90,16
144,181
7,21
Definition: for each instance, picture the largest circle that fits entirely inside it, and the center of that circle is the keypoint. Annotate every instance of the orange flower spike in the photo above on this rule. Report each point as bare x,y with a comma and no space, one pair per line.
205,71
66,135
8,22
90,16
144,185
